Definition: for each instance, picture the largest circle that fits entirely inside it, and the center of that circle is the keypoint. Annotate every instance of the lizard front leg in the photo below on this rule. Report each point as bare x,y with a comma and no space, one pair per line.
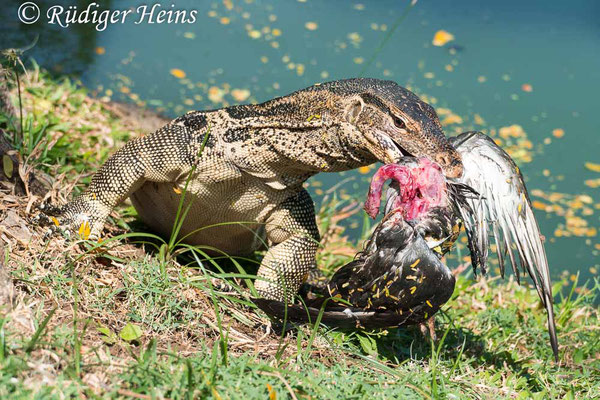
293,238
163,156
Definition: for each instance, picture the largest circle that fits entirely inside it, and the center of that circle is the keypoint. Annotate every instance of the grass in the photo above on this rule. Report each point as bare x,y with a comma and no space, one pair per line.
127,319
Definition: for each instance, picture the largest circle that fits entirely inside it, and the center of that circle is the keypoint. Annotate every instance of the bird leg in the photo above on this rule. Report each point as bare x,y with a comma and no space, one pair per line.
428,328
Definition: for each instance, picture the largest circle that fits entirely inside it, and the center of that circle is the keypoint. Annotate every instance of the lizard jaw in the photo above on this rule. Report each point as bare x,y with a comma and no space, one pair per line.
386,149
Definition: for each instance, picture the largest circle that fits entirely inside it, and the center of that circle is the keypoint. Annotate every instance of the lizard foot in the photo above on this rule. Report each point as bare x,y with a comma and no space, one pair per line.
79,219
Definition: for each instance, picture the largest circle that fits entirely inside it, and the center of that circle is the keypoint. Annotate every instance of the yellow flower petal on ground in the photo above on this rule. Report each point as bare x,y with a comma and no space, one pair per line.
311,26
178,73
84,230
442,37
592,166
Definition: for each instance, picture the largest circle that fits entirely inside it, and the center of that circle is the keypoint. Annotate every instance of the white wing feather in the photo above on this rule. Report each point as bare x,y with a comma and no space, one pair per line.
502,207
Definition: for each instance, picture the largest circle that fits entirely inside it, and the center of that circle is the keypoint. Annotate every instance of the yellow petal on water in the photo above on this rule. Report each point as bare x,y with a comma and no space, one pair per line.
100,50
592,166
189,35
215,94
442,37
228,4
526,87
364,170
276,32
452,119
478,119
539,205
254,34
593,183
177,73
224,20
558,133
240,94
358,60
311,26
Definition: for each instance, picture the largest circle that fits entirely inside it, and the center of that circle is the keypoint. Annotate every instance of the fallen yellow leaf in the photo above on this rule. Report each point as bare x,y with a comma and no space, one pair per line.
442,37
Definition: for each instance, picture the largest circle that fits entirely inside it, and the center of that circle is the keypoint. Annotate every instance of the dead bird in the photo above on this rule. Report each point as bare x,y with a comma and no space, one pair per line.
399,278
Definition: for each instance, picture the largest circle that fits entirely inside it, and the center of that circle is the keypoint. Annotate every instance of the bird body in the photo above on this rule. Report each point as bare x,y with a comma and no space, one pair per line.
399,278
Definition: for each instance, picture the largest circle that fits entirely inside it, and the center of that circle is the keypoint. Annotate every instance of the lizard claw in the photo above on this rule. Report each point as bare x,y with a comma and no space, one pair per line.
76,219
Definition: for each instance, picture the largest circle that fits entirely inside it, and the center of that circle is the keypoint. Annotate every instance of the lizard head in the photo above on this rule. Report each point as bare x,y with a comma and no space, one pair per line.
393,122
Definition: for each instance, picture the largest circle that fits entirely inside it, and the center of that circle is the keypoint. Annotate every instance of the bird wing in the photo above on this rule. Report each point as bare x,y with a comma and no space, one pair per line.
502,206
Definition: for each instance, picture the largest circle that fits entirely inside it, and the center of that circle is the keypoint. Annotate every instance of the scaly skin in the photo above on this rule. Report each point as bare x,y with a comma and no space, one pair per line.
253,167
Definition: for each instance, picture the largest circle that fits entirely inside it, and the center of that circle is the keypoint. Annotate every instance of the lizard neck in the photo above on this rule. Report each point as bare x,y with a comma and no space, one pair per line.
300,134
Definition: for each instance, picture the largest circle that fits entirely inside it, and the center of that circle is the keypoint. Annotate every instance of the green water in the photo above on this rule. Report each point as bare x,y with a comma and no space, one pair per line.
553,46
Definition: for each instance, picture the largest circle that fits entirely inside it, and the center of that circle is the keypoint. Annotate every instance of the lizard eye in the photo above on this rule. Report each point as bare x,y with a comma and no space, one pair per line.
399,122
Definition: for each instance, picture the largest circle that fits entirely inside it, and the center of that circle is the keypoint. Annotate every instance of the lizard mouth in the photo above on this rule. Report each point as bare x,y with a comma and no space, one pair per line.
421,186
402,150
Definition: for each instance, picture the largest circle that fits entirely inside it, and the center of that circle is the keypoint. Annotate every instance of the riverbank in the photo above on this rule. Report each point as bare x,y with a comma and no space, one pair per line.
131,320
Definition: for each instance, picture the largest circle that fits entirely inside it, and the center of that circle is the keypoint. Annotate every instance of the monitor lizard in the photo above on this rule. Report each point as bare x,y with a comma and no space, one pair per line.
246,186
